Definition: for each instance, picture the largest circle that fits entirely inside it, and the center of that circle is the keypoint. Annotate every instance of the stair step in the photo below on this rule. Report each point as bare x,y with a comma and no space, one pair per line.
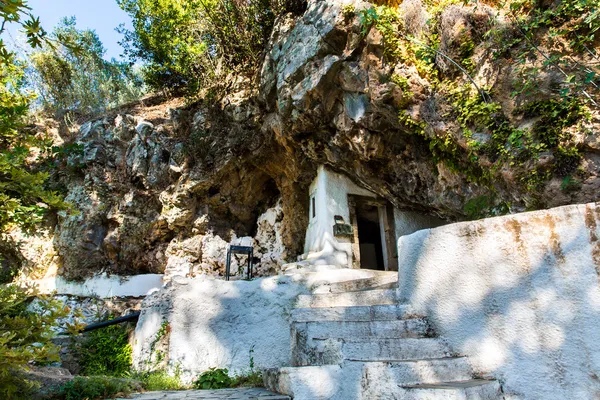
380,278
395,349
348,299
406,328
353,313
475,389
304,383
417,372
336,351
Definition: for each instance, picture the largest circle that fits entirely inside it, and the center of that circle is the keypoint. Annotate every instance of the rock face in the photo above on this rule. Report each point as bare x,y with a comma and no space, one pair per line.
518,294
163,187
143,209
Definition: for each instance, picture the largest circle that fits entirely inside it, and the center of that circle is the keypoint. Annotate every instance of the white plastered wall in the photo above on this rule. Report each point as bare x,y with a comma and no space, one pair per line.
519,295
330,191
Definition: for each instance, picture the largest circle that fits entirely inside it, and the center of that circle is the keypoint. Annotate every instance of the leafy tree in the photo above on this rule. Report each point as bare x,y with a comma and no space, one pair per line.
167,36
190,43
25,337
17,11
74,75
23,198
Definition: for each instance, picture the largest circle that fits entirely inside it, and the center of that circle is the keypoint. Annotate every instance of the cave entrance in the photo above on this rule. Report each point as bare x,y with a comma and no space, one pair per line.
373,226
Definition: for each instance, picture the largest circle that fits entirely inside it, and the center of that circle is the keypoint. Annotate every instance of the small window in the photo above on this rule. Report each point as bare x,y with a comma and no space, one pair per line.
313,206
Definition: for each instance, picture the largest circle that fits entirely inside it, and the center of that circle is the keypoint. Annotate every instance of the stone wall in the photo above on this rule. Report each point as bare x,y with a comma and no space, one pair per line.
518,294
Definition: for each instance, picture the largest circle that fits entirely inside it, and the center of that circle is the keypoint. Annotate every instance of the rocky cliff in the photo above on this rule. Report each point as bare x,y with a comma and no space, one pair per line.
447,111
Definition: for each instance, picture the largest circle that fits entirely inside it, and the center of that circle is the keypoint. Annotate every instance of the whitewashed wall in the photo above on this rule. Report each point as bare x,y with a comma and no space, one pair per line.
102,285
331,192
408,222
216,323
518,294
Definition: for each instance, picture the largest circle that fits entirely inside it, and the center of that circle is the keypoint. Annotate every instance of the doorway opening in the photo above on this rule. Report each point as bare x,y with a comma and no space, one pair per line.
373,245
369,237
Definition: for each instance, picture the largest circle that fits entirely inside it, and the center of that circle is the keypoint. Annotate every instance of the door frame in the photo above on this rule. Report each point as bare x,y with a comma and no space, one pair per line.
387,226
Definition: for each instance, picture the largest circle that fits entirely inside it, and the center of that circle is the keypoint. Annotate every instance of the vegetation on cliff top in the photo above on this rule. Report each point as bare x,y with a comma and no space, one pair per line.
450,44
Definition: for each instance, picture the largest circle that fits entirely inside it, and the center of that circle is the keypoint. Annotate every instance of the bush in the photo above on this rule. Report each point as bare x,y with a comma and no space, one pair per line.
105,351
25,337
95,387
215,379
186,44
75,77
159,380
220,379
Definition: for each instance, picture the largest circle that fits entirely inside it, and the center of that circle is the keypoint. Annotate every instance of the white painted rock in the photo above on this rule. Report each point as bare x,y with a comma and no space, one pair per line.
518,294
215,323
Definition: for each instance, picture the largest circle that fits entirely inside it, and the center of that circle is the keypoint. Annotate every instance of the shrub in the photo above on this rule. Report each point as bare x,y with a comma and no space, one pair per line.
76,77
105,351
252,379
23,198
159,380
215,379
94,387
25,337
186,44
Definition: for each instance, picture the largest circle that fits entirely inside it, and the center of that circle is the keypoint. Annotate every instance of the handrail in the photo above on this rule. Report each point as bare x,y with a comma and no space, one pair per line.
126,318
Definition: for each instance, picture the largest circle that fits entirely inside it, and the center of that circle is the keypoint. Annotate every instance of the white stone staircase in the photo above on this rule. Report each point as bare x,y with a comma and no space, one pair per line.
353,340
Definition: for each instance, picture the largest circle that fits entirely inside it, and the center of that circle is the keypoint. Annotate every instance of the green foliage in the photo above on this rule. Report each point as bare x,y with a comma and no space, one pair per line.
569,184
219,378
17,11
75,77
581,16
251,379
25,337
94,387
186,44
214,379
555,116
23,198
105,351
159,380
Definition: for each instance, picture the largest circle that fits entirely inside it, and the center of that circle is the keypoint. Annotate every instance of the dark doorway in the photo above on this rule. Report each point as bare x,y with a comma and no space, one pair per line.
369,236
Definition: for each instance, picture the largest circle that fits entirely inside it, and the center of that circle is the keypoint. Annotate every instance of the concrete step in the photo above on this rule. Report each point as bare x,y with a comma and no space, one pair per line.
475,389
418,372
395,349
379,279
336,351
355,380
353,313
364,298
406,328
306,383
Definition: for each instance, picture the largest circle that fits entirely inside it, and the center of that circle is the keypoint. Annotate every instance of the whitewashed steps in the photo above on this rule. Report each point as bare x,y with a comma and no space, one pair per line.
361,349
348,299
352,339
335,351
414,372
381,280
307,383
405,328
476,389
353,313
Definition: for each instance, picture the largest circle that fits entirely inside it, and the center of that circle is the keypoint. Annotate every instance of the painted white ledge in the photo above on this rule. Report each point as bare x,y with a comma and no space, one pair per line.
103,286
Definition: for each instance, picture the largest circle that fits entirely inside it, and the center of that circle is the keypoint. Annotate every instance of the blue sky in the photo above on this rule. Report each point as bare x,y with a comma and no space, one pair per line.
103,16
